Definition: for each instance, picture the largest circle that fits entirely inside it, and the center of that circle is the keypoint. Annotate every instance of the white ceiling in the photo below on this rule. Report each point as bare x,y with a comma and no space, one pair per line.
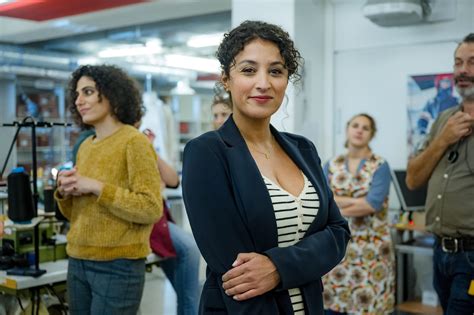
172,21
22,31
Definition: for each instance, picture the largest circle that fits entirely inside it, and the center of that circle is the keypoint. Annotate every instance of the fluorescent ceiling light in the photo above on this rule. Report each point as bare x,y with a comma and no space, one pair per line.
3,2
60,23
162,70
207,40
88,61
151,47
192,63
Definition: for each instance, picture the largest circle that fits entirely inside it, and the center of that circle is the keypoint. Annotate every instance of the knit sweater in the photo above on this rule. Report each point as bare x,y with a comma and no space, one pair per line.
117,223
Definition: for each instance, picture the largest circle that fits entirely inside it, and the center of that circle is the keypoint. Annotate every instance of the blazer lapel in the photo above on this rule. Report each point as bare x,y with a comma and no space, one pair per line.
250,191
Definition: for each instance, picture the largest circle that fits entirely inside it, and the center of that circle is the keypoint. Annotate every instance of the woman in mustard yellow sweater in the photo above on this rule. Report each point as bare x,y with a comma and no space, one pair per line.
111,196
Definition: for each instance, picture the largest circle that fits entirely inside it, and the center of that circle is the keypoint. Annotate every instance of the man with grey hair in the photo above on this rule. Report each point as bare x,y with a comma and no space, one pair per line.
446,163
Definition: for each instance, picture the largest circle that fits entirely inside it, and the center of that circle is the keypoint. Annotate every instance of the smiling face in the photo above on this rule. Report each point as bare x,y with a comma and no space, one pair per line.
464,70
93,109
257,80
359,132
220,113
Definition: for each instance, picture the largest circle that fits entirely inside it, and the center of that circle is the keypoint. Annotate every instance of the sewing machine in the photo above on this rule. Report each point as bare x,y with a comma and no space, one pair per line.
19,239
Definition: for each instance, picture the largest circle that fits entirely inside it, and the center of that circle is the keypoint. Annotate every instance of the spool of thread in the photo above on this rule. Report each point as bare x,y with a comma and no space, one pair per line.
49,201
58,214
20,198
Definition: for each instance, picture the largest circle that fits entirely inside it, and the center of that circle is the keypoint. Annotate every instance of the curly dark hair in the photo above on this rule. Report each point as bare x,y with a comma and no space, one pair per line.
114,84
235,41
221,97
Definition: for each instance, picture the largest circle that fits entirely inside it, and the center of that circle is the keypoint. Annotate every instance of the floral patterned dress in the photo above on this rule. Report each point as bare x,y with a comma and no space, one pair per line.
364,282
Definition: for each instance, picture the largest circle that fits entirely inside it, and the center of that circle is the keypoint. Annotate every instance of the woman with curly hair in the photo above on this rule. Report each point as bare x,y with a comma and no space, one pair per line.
111,196
260,209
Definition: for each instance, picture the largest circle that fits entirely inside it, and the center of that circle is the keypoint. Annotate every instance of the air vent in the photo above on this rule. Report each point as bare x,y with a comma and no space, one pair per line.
388,13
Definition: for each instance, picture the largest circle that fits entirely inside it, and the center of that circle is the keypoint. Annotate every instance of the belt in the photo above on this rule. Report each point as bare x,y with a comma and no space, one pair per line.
454,245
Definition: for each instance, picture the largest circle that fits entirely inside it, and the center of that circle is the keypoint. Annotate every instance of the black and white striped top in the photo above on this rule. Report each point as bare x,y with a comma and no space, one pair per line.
293,214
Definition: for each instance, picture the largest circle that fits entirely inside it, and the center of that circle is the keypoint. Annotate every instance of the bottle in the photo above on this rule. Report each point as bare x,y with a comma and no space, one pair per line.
20,198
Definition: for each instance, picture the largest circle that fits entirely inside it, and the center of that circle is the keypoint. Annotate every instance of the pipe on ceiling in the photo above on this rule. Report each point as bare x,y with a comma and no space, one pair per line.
14,55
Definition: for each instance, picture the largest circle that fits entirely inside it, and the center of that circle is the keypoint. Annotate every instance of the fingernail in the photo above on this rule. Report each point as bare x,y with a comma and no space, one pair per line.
235,297
234,263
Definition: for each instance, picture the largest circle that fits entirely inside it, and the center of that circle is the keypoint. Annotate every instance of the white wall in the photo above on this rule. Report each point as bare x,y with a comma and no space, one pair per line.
304,21
7,116
310,91
372,63
282,13
375,81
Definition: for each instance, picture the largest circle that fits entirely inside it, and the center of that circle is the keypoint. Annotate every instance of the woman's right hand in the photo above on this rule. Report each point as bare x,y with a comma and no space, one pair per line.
252,274
66,181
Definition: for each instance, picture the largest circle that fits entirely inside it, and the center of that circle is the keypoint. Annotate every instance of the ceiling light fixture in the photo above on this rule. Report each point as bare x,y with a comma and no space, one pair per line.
207,40
163,71
88,61
207,65
150,48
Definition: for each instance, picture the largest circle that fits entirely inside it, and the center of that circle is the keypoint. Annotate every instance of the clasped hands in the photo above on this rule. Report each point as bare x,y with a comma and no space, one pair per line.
71,183
252,275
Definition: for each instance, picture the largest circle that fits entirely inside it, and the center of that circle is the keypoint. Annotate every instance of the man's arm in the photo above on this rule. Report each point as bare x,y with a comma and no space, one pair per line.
421,167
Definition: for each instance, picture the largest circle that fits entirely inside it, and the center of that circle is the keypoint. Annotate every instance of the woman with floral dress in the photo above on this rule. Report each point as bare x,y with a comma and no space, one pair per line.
364,282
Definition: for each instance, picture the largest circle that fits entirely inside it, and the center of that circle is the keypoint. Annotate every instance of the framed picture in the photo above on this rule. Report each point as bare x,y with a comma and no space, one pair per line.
428,96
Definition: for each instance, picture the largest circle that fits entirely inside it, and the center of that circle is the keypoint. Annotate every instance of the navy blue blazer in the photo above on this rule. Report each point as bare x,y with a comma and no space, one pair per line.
230,212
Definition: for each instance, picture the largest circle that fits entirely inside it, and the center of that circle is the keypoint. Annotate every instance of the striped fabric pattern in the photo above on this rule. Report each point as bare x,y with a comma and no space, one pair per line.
293,214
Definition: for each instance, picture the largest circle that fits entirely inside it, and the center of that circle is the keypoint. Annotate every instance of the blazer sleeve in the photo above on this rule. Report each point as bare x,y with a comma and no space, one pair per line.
316,254
218,226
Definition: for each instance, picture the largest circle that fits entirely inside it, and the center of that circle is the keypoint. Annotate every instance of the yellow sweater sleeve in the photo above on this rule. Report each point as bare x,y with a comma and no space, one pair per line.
142,202
64,204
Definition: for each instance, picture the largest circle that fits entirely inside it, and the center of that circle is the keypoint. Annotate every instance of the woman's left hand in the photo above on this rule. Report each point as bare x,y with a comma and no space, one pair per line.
253,274
82,185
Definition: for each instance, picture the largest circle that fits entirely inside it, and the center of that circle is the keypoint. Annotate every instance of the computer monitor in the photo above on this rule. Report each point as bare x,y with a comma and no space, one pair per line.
410,200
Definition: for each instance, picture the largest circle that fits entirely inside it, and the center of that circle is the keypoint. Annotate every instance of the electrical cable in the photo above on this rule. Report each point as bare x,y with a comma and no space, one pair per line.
38,301
19,303
10,150
33,302
19,125
63,305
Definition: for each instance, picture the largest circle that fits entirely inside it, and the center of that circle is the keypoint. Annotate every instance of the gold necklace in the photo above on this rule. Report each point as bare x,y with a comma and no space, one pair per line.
267,155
